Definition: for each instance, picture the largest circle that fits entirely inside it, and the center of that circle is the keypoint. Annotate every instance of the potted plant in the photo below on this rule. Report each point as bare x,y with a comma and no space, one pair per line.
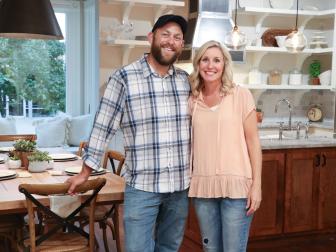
38,161
314,72
260,115
14,161
23,148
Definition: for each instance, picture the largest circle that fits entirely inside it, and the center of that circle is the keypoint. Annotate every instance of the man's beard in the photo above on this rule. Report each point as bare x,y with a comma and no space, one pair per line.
156,52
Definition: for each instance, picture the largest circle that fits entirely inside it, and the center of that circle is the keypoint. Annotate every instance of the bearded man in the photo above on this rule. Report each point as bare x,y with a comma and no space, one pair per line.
147,99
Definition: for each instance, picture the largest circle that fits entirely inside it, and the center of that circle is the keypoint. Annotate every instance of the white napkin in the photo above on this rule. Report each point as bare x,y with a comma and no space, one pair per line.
63,205
56,173
24,174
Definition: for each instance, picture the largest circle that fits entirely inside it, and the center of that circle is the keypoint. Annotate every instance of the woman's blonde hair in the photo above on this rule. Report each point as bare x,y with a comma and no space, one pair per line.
227,76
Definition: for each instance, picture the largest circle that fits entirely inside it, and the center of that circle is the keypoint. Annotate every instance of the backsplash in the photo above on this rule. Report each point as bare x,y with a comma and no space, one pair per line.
301,100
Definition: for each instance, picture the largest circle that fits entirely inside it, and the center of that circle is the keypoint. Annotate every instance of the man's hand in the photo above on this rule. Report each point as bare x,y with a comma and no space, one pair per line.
78,179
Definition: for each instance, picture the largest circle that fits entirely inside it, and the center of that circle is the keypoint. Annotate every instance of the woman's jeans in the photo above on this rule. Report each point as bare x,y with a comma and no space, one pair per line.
154,221
224,224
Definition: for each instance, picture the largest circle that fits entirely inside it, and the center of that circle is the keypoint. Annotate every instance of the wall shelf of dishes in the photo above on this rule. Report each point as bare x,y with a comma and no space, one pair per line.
268,64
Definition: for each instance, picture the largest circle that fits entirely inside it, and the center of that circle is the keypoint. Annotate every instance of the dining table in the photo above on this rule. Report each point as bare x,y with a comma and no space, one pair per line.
12,201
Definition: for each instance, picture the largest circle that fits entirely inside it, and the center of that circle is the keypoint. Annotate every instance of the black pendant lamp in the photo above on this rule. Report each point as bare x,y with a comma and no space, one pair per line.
28,19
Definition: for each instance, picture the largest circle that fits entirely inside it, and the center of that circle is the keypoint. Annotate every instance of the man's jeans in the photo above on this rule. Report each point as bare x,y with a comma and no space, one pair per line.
223,223
154,221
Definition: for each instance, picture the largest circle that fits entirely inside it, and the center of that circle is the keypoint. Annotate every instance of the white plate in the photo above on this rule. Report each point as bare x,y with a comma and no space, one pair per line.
63,156
281,4
7,173
6,149
77,169
2,159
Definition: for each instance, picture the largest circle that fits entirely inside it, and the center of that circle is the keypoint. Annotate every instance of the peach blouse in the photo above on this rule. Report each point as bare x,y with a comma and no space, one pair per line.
220,161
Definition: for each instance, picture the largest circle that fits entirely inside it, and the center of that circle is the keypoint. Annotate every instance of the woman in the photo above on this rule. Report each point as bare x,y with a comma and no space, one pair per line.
226,174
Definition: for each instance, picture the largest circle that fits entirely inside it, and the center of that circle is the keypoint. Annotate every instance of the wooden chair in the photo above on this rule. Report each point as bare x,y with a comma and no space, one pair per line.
108,215
55,239
11,225
81,147
12,138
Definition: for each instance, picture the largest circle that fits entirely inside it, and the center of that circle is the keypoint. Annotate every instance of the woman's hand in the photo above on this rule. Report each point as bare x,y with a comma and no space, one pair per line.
253,199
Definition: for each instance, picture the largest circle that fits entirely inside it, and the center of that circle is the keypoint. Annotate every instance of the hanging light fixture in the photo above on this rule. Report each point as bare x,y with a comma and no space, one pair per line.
28,19
296,40
235,39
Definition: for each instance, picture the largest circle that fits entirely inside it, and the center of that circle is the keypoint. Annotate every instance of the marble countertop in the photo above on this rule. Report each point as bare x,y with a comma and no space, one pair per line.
312,142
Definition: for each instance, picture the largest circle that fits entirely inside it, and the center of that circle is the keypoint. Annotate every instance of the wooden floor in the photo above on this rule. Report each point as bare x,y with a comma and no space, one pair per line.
311,243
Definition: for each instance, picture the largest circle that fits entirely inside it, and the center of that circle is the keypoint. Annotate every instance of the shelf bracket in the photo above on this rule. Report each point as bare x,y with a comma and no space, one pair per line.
126,52
304,22
158,10
300,58
257,58
259,22
127,7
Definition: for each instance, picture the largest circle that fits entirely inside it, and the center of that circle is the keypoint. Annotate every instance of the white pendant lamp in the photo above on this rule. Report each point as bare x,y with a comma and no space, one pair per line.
235,39
296,40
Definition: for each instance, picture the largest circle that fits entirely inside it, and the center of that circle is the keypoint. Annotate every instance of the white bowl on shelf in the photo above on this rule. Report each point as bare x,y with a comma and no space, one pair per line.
281,4
280,40
325,78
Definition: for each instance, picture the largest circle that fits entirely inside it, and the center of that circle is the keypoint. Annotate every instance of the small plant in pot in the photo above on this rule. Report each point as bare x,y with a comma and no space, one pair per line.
39,161
314,72
14,161
260,115
23,148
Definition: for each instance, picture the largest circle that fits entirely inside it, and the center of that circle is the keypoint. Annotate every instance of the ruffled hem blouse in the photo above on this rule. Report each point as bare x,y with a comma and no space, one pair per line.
221,165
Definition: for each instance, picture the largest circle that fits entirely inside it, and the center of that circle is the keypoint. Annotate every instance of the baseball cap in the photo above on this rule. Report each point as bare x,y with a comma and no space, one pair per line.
163,20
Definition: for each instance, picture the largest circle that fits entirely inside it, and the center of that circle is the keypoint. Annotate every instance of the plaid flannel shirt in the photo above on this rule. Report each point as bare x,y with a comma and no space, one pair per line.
152,112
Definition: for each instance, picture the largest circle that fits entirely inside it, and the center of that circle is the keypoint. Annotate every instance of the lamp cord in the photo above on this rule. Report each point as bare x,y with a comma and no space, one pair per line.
235,21
297,14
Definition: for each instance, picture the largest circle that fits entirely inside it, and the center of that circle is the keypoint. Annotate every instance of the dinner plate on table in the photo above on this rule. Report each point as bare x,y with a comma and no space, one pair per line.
76,169
6,148
2,160
63,157
7,174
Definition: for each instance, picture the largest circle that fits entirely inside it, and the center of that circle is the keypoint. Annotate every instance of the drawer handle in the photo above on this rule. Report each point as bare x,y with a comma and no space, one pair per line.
317,160
324,160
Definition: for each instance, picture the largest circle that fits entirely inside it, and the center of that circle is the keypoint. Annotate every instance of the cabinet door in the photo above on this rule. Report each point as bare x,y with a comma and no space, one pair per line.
301,190
269,217
327,190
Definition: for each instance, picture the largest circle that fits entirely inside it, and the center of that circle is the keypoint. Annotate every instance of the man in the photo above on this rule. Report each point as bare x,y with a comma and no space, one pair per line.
148,101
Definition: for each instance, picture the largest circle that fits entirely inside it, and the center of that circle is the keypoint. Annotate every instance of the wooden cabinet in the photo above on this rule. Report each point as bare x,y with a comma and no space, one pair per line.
327,190
299,196
301,190
310,190
268,219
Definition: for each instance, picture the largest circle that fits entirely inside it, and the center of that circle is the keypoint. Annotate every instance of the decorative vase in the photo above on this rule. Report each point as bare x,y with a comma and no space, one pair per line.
315,81
38,166
13,164
260,116
23,155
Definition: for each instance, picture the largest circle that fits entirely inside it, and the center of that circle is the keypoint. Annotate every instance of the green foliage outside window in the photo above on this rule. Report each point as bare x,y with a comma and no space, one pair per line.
33,70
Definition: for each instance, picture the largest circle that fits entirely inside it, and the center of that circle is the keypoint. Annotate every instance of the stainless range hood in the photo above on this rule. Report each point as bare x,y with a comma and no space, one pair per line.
208,20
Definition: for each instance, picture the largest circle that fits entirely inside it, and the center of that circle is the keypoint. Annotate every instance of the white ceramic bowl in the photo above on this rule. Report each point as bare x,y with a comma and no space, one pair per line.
325,78
280,40
38,166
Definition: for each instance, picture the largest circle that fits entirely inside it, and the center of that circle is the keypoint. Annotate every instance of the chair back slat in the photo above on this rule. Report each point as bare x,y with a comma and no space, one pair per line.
30,190
12,138
114,155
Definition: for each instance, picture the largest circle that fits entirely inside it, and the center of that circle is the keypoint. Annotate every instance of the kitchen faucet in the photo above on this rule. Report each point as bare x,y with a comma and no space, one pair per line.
289,108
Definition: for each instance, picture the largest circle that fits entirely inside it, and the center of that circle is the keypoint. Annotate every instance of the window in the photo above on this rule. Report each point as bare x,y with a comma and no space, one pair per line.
40,77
